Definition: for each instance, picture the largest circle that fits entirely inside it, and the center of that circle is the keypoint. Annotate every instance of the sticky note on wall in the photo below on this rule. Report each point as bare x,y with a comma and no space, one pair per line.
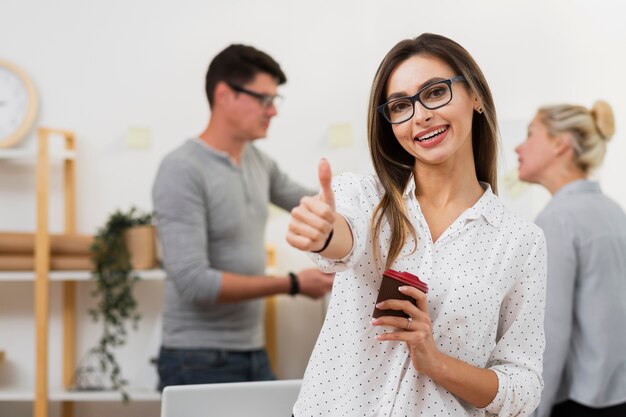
138,137
513,185
340,135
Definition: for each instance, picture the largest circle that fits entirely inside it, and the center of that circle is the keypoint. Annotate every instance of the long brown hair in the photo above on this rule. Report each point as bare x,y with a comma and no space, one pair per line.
393,164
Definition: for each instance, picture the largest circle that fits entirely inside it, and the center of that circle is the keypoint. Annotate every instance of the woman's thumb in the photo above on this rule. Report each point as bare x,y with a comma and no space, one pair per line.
326,176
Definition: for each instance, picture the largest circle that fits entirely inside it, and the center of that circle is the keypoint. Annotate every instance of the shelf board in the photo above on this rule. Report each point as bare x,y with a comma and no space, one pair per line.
21,395
27,154
135,394
17,276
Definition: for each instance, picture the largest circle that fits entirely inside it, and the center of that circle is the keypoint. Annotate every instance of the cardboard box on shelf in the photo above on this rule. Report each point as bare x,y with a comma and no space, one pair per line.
23,243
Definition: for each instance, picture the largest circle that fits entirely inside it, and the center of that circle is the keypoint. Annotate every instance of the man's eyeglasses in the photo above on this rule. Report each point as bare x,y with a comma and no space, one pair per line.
266,100
432,97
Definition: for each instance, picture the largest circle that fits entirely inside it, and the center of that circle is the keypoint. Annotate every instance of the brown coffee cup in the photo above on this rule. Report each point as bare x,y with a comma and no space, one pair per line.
392,280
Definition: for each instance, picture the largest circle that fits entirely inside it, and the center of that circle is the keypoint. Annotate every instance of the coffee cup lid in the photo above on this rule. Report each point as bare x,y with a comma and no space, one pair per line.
407,278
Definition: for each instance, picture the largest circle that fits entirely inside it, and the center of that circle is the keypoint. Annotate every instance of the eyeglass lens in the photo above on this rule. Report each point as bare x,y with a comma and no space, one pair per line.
267,101
431,97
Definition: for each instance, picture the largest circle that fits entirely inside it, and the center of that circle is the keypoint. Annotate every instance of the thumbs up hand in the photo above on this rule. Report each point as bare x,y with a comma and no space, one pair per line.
312,221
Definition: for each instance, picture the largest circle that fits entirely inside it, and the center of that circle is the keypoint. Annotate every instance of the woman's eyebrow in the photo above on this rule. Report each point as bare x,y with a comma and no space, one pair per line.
424,84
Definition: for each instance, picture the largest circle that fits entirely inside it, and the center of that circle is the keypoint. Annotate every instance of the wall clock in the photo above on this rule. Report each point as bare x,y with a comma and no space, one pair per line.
18,104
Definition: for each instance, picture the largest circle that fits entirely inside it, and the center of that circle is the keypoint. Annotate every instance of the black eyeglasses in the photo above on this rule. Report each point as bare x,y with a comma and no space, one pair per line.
432,96
266,100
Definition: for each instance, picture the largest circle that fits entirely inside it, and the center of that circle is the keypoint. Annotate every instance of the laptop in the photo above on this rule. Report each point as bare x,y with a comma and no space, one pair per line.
237,399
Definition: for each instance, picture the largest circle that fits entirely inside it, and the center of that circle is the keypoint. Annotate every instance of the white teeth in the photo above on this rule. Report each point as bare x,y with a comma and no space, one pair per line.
432,134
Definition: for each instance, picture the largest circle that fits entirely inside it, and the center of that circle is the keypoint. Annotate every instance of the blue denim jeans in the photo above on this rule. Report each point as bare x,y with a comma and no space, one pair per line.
209,366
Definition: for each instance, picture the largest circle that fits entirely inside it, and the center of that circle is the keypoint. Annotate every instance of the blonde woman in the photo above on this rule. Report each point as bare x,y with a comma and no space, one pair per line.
585,357
473,345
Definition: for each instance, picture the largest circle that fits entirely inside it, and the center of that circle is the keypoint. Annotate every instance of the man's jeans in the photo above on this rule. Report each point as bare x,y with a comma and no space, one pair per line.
208,366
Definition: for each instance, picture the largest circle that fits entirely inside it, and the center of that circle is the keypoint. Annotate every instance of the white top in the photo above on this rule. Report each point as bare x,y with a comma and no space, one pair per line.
585,357
486,278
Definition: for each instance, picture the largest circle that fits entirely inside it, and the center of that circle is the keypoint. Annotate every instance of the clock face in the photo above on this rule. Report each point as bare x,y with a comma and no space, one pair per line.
17,104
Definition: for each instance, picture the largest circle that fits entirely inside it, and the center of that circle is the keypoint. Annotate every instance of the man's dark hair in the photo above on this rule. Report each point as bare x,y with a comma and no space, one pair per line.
239,64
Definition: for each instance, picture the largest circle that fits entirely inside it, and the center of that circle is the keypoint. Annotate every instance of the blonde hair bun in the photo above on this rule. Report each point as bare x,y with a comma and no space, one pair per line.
604,120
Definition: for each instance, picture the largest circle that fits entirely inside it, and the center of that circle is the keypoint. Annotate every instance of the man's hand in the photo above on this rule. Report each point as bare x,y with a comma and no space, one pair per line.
314,283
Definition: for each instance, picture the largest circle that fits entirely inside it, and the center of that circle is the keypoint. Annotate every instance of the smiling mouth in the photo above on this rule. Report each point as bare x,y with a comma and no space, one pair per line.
431,135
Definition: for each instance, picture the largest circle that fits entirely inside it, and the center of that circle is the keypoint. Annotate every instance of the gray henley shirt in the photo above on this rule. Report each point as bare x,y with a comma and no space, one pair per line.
211,216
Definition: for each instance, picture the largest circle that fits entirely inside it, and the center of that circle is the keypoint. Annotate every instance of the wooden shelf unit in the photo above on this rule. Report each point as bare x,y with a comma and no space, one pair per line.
41,277
42,270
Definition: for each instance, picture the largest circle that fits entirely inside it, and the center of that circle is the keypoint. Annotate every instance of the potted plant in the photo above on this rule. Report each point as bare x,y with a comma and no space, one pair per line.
116,304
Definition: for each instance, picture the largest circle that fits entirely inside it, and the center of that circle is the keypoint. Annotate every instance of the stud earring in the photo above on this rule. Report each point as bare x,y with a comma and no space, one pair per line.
479,110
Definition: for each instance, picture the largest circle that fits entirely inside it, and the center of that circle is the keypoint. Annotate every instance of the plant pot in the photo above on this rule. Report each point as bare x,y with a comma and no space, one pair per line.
140,241
89,375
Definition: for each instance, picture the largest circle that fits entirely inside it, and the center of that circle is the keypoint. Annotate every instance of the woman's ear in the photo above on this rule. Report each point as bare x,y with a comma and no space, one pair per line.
562,143
478,105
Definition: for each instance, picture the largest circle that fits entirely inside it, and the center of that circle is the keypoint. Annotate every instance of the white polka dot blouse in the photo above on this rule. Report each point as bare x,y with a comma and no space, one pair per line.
486,278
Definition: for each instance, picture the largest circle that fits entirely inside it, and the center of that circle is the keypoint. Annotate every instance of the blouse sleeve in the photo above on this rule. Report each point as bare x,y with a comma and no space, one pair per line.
517,356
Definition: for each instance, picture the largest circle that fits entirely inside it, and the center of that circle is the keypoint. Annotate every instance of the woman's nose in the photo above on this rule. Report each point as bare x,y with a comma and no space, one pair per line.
421,114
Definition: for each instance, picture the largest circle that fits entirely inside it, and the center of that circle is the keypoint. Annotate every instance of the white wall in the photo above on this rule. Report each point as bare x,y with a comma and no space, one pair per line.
102,67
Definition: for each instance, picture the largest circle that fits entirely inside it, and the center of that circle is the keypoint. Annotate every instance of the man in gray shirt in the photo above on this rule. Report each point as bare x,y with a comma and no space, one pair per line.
211,198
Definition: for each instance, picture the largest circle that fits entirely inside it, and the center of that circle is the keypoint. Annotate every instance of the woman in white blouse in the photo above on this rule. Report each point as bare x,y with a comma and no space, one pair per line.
585,356
474,345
